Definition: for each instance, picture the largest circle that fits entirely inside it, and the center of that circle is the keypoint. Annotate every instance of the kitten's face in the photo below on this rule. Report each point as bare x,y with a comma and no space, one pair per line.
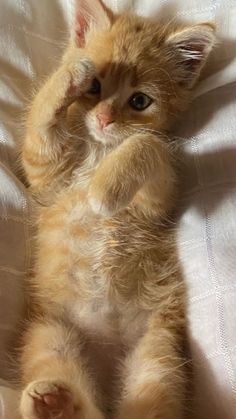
129,93
118,106
140,83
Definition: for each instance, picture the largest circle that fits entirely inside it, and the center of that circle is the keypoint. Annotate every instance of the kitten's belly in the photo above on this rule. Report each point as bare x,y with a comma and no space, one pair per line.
80,241
111,328
99,311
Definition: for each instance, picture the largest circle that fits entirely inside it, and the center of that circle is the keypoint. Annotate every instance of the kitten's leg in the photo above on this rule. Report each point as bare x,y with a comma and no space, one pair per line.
44,148
141,168
155,377
55,378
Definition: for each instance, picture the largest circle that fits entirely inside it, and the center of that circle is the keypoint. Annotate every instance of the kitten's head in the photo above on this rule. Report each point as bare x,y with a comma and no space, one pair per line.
145,70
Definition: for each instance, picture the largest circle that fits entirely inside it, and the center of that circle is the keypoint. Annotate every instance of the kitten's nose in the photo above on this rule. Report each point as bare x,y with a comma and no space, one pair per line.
104,119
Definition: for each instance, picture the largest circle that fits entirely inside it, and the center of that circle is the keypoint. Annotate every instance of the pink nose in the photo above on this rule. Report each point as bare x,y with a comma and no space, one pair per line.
104,120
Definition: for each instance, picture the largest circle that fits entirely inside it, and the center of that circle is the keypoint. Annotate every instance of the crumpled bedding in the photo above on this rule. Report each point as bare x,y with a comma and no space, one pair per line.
32,34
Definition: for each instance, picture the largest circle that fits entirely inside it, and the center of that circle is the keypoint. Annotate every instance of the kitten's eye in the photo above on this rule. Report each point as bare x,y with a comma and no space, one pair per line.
95,88
139,101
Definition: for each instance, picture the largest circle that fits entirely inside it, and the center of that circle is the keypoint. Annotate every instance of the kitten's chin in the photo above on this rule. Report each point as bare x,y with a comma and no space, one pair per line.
105,138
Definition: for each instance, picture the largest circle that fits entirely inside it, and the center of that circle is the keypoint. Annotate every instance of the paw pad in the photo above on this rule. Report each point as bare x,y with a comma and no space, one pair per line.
45,400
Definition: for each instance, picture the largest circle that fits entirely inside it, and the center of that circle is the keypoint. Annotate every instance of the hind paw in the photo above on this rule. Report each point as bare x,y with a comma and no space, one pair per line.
48,400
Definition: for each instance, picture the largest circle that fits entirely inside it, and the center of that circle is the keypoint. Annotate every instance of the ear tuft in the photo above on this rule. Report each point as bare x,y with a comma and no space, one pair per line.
89,14
191,47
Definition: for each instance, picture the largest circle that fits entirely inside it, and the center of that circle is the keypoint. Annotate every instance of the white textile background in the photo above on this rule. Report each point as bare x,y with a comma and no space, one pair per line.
31,35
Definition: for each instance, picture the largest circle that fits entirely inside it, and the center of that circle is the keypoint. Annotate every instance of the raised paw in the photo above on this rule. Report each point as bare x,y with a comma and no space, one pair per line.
47,400
82,74
108,194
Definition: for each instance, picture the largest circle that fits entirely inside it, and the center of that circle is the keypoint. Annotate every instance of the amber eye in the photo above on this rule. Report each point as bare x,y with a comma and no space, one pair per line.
95,88
139,101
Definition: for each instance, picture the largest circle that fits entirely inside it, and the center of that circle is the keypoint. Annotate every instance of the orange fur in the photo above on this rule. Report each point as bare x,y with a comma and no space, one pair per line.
108,337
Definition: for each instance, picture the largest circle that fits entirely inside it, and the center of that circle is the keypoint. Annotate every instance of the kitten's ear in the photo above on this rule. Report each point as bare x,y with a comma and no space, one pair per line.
89,14
190,48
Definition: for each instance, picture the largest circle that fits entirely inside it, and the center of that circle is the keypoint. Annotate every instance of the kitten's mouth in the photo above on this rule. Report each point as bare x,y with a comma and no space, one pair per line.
103,137
106,135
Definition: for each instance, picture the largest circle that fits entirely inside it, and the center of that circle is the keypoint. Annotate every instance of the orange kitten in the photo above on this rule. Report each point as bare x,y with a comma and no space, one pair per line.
108,337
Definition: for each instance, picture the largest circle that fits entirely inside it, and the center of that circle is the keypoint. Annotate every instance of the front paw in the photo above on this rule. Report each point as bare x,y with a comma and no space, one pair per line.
82,74
107,194
81,70
71,80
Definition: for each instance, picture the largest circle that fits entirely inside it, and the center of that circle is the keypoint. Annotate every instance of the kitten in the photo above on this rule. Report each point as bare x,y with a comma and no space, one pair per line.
108,335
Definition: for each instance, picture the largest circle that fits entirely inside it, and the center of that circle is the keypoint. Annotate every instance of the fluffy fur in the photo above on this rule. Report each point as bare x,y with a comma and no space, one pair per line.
108,335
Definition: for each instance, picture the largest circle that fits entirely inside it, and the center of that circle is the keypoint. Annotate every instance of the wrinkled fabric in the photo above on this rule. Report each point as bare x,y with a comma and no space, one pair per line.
32,35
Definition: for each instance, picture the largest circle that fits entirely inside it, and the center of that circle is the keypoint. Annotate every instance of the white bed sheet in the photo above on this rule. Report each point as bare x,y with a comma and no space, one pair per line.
31,35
